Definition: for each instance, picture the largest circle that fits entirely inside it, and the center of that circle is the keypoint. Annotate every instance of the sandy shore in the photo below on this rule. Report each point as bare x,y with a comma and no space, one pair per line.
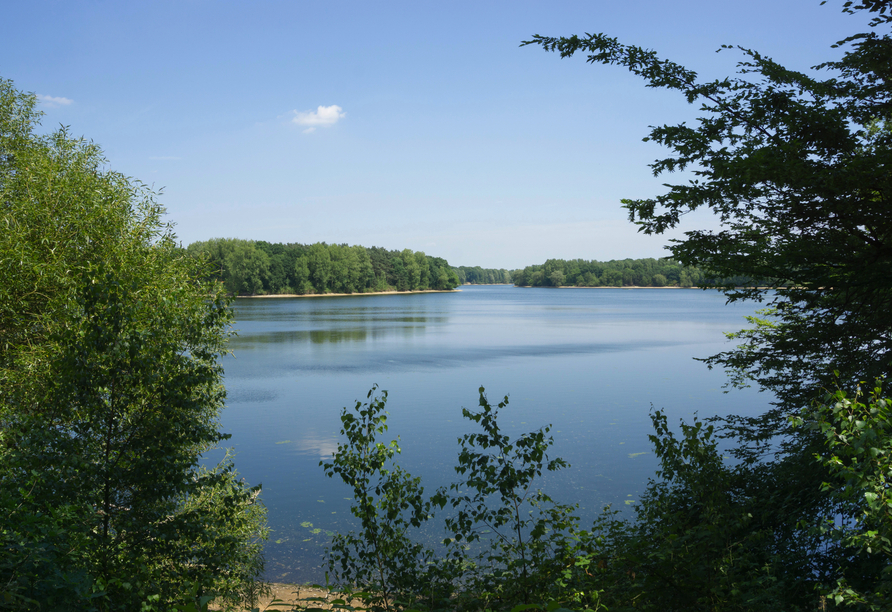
286,597
294,596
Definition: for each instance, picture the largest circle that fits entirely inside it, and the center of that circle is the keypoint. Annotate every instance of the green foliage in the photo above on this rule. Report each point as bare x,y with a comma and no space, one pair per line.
483,276
796,168
699,541
247,267
626,272
381,560
238,264
524,532
702,539
857,435
509,546
706,534
109,392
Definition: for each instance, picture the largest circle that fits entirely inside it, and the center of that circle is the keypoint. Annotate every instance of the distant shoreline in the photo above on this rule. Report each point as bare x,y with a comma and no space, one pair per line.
605,287
642,287
317,295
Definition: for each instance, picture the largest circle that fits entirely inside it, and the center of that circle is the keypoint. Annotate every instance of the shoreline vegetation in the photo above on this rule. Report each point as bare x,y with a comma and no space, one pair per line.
613,287
625,274
319,295
249,268
373,293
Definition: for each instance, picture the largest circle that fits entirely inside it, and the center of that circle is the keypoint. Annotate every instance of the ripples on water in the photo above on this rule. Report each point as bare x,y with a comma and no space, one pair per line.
590,362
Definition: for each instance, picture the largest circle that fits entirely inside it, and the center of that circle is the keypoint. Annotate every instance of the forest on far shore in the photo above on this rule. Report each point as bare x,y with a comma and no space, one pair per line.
257,267
475,275
650,272
249,267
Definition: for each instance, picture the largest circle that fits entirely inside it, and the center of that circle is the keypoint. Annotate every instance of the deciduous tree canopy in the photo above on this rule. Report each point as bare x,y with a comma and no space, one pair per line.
246,267
625,272
796,166
109,392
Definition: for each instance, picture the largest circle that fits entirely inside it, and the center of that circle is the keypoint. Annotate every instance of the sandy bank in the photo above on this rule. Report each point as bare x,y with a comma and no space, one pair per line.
286,597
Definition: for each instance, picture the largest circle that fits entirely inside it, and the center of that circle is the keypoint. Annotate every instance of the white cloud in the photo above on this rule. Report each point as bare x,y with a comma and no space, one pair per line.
324,116
53,101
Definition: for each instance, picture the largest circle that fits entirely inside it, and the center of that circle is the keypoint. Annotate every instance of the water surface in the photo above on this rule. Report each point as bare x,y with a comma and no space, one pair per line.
590,362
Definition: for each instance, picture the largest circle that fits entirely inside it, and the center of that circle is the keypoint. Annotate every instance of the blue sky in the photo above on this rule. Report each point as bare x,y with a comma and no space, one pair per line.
418,125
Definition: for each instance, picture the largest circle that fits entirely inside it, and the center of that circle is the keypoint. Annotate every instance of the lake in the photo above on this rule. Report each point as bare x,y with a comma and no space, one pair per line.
590,362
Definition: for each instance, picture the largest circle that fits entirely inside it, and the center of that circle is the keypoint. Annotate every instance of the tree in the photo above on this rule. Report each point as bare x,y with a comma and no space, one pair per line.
509,542
798,171
388,502
796,167
302,276
557,278
424,277
399,275
110,391
246,267
696,543
319,262
525,535
240,265
413,269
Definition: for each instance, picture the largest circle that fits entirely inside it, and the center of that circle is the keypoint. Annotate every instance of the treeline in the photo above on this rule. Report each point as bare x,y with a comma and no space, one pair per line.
626,273
110,395
615,273
483,276
248,267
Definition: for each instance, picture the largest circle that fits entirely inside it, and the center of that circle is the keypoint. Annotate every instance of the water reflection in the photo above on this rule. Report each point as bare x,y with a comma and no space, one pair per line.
322,447
332,335
331,322
590,362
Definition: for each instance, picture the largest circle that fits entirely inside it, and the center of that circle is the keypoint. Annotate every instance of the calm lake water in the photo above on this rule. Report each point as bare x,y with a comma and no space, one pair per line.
591,362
